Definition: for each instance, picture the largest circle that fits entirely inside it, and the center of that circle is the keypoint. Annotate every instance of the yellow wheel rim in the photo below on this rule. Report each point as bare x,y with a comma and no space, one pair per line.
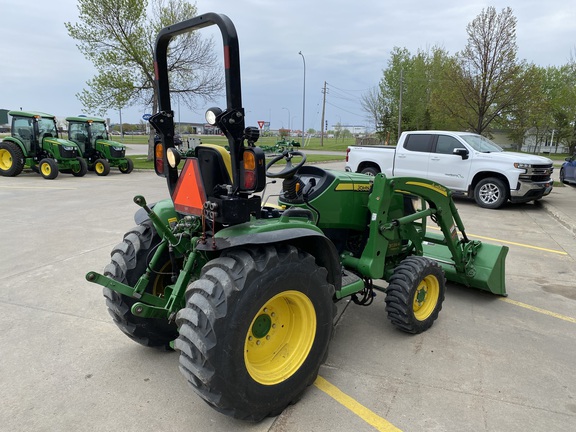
46,169
426,297
99,167
280,337
5,159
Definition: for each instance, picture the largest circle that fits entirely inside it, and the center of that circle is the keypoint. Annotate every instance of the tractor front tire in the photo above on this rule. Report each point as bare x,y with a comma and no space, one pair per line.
128,168
81,169
415,294
129,261
48,168
102,167
11,159
255,329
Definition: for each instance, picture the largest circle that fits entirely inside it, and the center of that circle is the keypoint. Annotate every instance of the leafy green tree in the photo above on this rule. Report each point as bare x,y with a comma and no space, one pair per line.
118,37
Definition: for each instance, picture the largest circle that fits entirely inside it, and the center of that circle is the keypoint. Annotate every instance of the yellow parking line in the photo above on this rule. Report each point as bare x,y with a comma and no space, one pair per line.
511,243
539,310
37,187
361,411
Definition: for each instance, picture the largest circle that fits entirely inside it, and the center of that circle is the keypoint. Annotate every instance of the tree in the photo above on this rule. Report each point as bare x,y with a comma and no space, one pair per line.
371,103
118,37
485,81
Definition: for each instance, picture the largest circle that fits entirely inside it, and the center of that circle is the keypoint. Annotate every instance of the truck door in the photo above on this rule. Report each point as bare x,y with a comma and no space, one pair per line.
447,168
411,159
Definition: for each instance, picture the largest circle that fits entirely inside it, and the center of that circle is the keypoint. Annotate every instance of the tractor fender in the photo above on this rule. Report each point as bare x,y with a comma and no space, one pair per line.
306,238
18,143
164,209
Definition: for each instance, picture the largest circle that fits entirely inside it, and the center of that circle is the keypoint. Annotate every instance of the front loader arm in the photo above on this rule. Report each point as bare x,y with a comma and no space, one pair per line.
471,263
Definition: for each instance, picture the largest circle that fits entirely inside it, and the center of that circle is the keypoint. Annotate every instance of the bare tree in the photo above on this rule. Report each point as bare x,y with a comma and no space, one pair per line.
486,79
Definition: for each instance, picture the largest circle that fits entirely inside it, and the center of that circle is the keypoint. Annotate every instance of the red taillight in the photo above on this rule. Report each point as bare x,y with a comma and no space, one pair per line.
249,180
347,152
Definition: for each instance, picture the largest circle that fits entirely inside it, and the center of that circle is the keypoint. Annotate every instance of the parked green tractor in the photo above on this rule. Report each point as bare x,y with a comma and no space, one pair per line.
247,292
35,142
91,135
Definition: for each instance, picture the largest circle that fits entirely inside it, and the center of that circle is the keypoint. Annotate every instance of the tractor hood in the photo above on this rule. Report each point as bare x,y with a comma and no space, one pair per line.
111,143
60,141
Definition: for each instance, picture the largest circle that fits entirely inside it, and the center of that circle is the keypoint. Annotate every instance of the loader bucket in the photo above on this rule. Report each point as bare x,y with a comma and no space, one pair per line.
488,265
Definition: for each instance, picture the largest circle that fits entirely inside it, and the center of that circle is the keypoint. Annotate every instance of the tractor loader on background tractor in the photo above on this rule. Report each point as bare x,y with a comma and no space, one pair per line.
246,293
34,141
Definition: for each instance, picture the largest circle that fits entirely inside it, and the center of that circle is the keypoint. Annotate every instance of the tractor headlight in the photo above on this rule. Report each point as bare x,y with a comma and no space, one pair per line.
68,148
212,114
173,157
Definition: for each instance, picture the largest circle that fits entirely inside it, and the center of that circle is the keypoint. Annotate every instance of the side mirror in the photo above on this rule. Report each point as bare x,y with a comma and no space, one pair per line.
462,152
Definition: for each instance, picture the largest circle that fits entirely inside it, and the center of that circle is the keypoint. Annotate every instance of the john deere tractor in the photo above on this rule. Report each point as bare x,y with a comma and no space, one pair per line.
35,142
246,292
91,135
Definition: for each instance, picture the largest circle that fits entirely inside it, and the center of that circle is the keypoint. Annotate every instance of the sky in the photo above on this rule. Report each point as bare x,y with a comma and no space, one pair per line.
346,44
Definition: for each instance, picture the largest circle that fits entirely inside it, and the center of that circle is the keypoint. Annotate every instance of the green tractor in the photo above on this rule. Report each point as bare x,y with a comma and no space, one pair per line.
246,292
91,135
35,142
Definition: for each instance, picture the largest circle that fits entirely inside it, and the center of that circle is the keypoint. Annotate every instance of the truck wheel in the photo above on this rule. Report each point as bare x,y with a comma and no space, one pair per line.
48,168
11,159
371,171
102,167
415,294
129,261
490,193
81,169
255,329
128,168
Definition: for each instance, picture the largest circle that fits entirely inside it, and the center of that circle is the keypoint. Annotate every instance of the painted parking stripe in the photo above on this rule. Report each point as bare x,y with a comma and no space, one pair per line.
559,252
539,310
360,410
37,187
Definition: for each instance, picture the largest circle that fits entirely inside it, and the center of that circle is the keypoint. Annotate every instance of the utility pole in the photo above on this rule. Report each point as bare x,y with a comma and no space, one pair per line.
323,112
400,104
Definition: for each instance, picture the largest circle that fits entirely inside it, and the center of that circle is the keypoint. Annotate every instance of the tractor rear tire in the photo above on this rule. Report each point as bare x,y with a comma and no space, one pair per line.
81,170
415,294
11,159
128,168
255,329
48,168
102,167
129,261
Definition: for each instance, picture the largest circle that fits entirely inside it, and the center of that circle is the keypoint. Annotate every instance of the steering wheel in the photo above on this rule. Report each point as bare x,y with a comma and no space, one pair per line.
290,169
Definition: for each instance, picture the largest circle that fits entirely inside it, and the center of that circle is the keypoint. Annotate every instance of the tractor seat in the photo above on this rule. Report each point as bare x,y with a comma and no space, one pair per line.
215,166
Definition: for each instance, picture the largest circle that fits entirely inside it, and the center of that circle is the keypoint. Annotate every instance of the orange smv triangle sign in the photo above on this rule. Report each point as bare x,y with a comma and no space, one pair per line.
189,196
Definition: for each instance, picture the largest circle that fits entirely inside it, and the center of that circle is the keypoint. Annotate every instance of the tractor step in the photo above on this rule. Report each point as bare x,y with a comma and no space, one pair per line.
351,283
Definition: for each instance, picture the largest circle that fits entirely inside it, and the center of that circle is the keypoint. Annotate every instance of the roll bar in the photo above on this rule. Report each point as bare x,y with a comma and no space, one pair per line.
232,121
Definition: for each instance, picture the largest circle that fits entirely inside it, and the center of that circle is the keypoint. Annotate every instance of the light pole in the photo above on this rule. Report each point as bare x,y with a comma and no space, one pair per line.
303,97
289,128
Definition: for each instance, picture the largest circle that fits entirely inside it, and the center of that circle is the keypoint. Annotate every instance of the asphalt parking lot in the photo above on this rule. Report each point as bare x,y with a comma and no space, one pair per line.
487,364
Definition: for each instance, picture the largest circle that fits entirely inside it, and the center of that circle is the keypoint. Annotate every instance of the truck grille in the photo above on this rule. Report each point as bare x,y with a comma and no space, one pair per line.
538,173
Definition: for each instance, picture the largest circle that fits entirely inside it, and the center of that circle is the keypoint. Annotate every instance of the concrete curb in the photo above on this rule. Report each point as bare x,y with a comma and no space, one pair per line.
561,217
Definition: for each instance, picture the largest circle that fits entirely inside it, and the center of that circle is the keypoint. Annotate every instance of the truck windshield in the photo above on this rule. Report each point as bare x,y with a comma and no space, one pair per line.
481,144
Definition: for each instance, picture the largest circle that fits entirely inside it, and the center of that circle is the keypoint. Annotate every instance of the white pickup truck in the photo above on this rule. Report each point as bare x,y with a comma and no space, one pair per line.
464,162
